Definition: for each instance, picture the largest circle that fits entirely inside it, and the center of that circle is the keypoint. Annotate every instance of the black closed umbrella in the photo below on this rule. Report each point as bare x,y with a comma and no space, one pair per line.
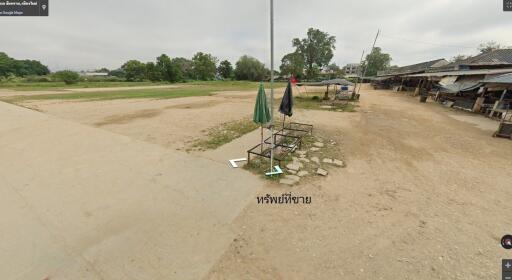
286,107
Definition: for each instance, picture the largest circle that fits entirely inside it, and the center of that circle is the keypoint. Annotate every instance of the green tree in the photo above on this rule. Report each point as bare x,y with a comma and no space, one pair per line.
225,69
376,61
185,66
119,73
21,68
334,71
459,57
170,71
489,47
292,64
6,65
152,72
134,70
204,66
316,49
24,68
67,76
250,69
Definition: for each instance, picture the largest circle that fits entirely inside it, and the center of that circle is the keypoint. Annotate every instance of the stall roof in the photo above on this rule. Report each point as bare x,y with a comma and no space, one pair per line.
341,82
500,57
379,78
463,73
415,68
462,83
502,79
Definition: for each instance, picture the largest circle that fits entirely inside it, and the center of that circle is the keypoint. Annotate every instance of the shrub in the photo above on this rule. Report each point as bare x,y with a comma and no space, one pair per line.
38,79
67,76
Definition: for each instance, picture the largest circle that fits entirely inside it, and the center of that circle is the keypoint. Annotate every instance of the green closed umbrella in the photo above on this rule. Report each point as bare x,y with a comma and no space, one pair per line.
261,112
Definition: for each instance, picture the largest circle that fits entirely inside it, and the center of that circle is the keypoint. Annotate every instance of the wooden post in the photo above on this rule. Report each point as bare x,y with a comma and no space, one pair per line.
503,95
480,100
497,104
418,88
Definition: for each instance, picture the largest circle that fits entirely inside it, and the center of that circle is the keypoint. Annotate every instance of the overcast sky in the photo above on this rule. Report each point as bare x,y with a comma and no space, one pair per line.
90,34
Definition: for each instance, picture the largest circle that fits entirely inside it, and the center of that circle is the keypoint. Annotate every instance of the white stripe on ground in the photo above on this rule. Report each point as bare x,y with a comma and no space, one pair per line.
78,202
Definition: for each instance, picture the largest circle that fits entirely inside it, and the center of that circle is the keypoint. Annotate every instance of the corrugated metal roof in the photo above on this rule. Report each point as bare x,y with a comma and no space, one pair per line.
502,79
463,73
463,83
341,82
496,57
415,68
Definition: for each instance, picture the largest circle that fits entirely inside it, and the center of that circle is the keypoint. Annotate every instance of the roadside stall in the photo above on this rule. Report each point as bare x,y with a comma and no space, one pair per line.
502,107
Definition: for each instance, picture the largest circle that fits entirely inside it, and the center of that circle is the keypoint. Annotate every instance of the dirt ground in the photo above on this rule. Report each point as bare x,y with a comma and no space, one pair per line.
425,194
171,123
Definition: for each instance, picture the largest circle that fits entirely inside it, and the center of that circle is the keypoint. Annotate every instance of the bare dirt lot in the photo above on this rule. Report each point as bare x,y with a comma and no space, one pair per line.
425,194
170,123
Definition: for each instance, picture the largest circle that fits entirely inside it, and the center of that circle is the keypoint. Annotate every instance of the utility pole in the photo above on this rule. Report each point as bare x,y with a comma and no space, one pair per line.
272,85
368,62
357,70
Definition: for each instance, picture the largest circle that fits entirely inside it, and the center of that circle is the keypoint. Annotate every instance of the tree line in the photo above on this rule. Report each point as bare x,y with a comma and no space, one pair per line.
310,60
20,68
202,66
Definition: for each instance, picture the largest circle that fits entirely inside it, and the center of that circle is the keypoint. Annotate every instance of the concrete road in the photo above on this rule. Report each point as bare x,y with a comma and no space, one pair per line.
78,202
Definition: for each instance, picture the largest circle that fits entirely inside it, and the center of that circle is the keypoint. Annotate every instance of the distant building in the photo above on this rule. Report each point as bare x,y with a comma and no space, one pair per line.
352,70
94,74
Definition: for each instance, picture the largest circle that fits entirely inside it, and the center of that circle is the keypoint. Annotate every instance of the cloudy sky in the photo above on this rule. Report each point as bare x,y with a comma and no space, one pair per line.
97,33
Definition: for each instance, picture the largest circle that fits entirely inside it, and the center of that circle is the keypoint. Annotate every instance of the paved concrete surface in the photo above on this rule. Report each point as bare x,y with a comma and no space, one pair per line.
78,202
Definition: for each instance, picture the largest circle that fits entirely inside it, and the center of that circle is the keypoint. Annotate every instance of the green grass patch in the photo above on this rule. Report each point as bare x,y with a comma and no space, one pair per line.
42,86
233,85
158,93
224,134
260,166
186,90
214,85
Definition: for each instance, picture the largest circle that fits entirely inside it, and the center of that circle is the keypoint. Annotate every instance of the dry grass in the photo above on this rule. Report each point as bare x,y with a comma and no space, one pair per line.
224,134
331,150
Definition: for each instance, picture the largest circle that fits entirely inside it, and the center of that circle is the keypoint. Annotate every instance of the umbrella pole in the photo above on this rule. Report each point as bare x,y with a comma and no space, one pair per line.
272,85
261,139
284,119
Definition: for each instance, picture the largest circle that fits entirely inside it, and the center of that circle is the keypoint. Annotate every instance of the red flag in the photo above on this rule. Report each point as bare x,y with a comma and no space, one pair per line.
293,80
